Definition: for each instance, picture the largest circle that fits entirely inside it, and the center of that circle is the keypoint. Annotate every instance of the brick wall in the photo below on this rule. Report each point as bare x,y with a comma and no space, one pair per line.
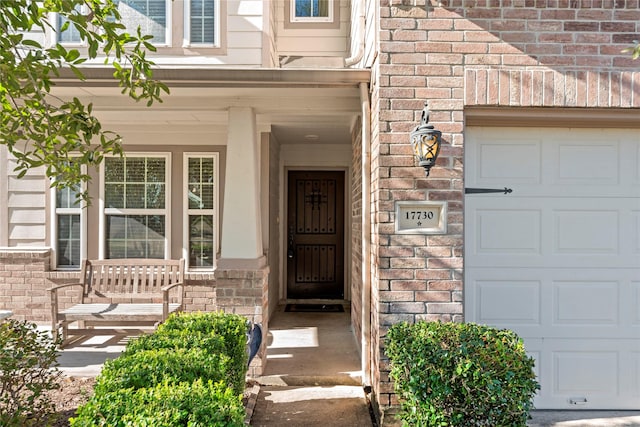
246,292
457,54
356,232
23,280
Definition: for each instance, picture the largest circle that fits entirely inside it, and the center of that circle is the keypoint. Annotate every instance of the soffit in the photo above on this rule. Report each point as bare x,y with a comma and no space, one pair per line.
290,103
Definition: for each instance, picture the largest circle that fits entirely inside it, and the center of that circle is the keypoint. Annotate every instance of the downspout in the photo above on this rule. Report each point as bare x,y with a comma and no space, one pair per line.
359,54
366,236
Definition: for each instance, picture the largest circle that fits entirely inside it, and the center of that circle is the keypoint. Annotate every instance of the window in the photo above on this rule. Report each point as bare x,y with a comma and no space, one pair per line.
150,15
312,10
135,203
201,26
201,200
69,228
70,35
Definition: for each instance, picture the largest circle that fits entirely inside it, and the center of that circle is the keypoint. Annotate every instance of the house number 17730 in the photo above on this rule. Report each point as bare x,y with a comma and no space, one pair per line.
417,215
428,217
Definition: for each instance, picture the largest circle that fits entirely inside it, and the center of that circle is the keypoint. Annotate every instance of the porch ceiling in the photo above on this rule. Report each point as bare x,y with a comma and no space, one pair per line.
297,106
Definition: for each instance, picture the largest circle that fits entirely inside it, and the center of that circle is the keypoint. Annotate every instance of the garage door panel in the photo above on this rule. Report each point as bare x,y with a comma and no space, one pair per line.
581,374
555,232
553,303
631,382
584,232
635,232
634,314
508,302
588,372
508,231
495,161
564,163
572,157
586,303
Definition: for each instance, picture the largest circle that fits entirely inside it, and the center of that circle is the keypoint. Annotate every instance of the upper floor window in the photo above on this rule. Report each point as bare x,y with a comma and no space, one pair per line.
316,14
68,35
202,23
151,16
135,208
312,10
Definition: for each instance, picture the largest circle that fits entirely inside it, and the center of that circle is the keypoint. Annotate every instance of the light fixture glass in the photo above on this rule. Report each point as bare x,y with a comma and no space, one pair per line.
426,142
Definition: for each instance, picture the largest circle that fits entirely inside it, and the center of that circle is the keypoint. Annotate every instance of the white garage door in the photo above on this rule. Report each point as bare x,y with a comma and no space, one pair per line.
558,259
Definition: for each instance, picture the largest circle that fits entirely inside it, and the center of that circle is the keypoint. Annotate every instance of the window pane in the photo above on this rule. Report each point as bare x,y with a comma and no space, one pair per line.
68,197
114,169
155,196
202,21
144,187
303,8
201,240
134,169
135,196
155,169
71,34
312,8
149,15
201,183
114,195
135,236
68,244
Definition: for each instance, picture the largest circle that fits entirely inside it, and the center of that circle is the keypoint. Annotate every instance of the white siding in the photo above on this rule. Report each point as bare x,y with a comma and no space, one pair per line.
26,205
312,42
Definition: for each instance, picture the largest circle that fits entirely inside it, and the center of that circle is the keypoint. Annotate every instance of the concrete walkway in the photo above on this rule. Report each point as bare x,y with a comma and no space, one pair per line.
313,373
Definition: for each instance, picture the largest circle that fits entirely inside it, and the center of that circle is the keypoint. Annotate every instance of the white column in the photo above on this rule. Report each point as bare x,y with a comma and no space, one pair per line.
241,224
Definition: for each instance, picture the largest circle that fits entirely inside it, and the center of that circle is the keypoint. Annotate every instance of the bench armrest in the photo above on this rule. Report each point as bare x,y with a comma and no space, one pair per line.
167,288
165,298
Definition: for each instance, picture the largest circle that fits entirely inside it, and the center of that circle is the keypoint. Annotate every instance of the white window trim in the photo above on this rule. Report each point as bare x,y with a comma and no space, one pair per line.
55,211
104,211
186,211
294,18
186,40
168,4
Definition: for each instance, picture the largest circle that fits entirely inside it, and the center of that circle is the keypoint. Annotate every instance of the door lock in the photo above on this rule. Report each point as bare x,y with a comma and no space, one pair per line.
290,252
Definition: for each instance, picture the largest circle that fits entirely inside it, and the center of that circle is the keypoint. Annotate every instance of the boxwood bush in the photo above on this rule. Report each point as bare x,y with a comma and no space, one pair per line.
189,372
195,404
453,374
163,365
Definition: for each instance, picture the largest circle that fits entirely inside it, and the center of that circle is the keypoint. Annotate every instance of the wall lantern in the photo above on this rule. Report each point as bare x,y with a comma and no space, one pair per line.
426,142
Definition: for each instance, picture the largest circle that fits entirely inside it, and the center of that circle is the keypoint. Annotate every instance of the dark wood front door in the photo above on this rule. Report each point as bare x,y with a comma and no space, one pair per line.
315,235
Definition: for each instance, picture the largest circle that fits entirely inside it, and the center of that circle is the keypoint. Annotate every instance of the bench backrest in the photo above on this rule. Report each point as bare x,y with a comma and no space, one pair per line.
132,277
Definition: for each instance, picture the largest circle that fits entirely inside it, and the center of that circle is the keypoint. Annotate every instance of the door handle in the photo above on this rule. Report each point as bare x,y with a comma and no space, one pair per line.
290,252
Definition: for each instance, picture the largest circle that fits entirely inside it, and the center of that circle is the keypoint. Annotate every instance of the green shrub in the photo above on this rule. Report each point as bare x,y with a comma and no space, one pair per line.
28,370
452,374
196,404
189,372
211,330
147,368
231,327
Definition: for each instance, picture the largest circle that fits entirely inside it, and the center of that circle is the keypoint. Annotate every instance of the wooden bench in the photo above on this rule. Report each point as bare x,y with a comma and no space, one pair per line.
119,292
